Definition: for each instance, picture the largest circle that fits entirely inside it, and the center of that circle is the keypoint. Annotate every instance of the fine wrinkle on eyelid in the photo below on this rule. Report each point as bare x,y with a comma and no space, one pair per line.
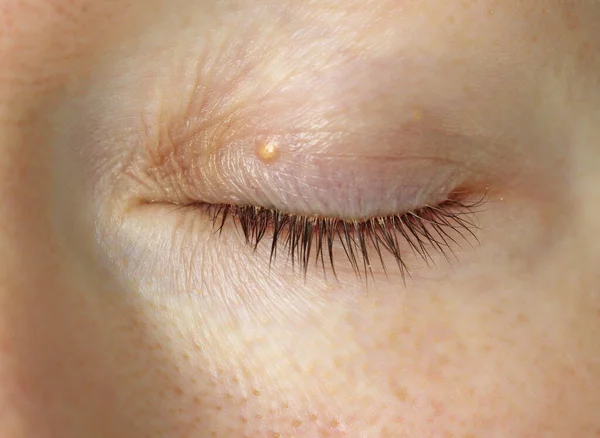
213,167
381,158
186,159
204,157
173,142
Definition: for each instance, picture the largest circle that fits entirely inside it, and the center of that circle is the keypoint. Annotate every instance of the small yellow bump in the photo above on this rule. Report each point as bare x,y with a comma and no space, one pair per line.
417,114
267,152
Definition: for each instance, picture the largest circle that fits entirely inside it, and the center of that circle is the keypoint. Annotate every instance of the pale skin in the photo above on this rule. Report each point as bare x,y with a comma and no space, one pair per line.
123,315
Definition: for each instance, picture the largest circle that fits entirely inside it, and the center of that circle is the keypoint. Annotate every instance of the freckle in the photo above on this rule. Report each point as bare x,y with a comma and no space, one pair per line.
401,394
521,319
451,19
267,152
444,360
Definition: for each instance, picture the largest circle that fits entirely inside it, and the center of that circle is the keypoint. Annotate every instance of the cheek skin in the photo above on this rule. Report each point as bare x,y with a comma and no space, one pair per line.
505,353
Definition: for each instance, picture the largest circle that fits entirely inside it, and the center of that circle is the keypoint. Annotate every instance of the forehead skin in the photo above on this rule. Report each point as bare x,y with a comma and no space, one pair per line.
506,347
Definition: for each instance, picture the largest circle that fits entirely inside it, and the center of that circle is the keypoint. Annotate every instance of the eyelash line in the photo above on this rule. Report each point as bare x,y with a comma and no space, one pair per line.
307,237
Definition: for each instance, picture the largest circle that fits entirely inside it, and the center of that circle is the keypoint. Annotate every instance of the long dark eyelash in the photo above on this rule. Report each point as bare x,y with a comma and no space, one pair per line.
311,239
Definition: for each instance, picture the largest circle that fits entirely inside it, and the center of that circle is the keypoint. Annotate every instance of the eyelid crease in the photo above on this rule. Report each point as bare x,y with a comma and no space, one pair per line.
314,239
390,157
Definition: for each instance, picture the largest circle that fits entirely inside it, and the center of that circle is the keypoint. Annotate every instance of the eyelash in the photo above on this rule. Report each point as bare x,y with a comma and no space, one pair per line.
305,238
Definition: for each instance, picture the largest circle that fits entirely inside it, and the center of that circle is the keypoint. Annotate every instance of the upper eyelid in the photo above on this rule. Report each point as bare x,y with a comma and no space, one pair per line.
307,184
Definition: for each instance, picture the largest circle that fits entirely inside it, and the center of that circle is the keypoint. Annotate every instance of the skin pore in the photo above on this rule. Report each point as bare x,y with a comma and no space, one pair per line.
124,314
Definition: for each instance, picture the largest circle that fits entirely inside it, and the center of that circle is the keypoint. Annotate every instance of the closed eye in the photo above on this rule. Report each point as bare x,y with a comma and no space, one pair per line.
314,240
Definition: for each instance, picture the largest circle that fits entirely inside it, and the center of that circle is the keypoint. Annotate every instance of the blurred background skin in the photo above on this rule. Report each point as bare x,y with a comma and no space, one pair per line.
100,338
